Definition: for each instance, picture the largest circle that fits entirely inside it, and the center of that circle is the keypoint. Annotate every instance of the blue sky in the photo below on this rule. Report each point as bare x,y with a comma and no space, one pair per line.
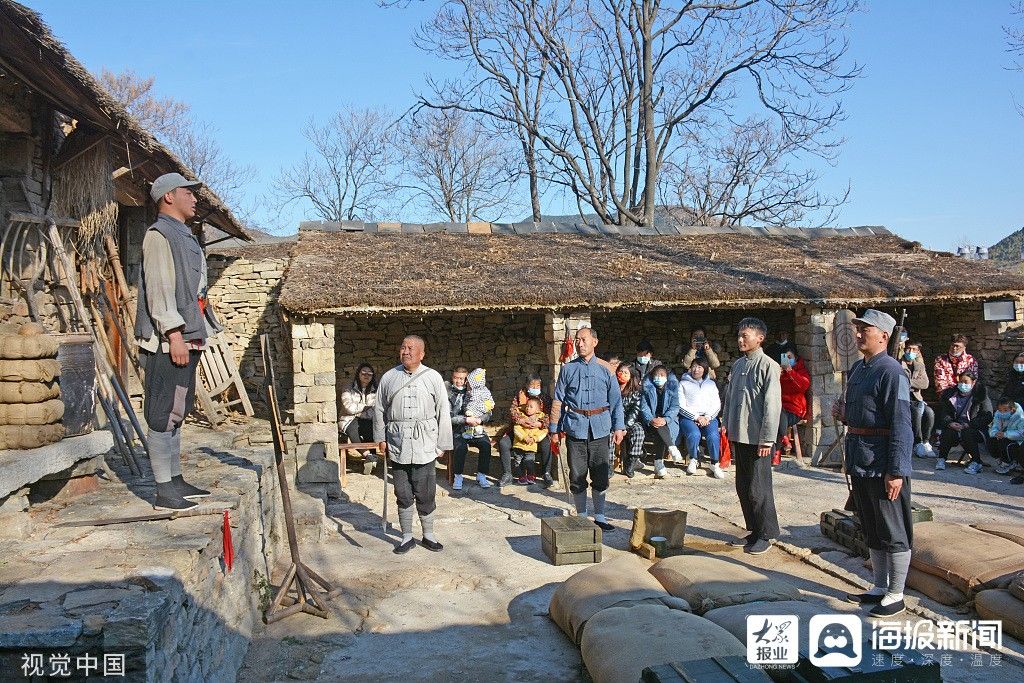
933,142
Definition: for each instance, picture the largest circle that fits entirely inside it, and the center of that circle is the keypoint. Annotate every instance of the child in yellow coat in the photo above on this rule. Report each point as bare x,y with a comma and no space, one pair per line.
525,440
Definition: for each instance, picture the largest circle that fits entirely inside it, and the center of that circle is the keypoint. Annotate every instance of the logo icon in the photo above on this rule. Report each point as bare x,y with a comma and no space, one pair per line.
835,640
772,638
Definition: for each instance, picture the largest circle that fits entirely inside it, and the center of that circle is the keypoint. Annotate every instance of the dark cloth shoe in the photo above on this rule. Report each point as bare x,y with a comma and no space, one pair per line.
549,481
432,545
864,598
888,610
630,469
506,480
405,547
187,490
758,547
1018,480
605,526
742,542
169,498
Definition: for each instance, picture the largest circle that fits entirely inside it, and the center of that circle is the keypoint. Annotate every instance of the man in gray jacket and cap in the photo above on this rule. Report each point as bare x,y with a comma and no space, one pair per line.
753,405
412,425
172,325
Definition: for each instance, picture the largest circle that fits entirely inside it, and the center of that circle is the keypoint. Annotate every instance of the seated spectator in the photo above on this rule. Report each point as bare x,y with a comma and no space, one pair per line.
526,440
700,347
795,381
659,409
776,348
357,403
949,365
1006,435
1014,387
965,413
699,406
534,388
469,414
645,361
632,449
923,416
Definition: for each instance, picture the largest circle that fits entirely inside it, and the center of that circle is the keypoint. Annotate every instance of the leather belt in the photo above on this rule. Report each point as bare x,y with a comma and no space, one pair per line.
590,413
869,431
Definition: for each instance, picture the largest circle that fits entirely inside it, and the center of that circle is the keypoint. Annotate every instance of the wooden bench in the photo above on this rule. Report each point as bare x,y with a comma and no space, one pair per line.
343,449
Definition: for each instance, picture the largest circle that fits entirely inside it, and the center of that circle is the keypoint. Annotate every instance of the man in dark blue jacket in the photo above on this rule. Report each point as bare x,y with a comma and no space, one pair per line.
880,438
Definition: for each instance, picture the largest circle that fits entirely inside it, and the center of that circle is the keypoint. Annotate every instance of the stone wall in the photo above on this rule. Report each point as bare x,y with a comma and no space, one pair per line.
243,288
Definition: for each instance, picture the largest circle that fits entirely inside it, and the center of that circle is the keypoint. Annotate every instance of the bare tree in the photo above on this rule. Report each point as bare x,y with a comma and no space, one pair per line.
162,116
455,167
627,82
1015,36
744,174
194,141
505,73
347,174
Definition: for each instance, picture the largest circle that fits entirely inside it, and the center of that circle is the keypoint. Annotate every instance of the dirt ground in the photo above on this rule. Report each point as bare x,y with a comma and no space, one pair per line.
478,610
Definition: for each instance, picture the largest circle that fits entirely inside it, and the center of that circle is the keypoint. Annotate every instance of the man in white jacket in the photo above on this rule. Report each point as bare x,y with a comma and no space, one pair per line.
412,425
699,406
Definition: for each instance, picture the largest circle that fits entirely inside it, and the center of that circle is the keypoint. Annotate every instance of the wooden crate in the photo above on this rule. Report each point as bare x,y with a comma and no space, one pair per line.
570,540
575,556
723,669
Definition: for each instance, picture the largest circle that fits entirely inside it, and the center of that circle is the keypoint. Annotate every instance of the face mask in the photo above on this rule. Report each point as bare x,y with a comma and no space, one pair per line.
910,355
1003,415
643,360
956,355
660,381
964,387
1019,367
533,392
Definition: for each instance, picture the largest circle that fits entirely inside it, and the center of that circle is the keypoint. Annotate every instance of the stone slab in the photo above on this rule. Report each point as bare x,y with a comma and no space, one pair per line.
23,467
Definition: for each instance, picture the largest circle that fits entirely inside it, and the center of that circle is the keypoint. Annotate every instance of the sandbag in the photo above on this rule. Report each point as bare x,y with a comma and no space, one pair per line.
1017,587
969,559
734,620
29,370
708,582
1011,532
17,347
45,413
29,436
28,392
1000,604
617,582
936,588
619,642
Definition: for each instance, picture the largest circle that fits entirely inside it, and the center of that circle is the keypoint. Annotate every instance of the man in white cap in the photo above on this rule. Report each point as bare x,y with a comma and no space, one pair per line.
880,436
172,325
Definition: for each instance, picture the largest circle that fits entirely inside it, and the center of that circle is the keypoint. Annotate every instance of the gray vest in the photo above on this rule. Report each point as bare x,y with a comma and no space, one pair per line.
188,264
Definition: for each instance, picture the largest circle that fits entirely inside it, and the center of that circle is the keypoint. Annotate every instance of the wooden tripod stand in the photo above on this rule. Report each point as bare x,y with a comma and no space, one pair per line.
297,592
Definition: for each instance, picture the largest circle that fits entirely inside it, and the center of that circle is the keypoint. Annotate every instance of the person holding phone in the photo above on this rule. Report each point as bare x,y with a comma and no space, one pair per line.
796,380
701,349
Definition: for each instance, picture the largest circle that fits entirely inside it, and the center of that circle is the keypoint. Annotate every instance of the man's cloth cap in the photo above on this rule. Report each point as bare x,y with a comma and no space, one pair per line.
169,182
883,321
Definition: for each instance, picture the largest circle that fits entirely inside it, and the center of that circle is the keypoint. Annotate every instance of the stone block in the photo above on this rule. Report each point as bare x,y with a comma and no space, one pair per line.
318,360
328,413
300,332
318,433
321,394
306,412
303,379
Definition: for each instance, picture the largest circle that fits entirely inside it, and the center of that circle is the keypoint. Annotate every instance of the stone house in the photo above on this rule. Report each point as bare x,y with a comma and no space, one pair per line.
504,297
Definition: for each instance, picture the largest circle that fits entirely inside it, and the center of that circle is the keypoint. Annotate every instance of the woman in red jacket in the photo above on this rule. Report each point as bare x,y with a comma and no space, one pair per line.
795,382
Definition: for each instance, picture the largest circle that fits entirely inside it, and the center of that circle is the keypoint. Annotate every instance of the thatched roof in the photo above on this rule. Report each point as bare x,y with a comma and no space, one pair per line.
30,52
357,271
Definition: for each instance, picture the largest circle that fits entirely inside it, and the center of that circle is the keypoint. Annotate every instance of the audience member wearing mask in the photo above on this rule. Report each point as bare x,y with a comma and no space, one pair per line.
645,361
1014,387
795,381
1006,435
659,409
949,365
633,445
912,360
965,413
534,388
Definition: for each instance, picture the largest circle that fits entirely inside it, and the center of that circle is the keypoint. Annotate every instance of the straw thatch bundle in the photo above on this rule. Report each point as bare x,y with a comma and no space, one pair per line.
84,189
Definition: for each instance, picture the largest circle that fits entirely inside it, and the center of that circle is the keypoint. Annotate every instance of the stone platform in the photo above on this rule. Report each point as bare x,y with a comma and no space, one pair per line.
157,592
24,467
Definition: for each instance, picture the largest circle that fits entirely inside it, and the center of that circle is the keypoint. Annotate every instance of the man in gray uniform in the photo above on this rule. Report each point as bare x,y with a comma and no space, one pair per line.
172,325
880,437
412,424
751,410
